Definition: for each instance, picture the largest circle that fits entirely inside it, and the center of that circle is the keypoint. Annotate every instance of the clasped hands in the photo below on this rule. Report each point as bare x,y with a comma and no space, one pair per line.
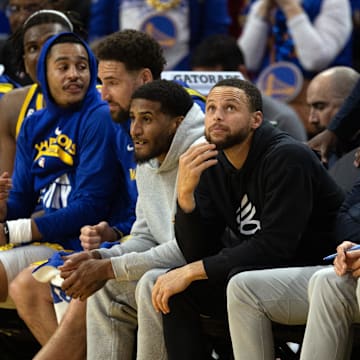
84,274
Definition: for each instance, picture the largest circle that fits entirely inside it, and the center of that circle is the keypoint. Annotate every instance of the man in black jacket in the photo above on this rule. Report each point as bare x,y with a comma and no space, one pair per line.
278,201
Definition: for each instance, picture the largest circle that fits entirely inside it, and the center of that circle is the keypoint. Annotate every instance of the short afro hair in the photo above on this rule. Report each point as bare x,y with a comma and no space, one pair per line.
174,99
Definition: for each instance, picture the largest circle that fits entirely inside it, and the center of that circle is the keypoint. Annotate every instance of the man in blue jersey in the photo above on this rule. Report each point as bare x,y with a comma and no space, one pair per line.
17,104
65,162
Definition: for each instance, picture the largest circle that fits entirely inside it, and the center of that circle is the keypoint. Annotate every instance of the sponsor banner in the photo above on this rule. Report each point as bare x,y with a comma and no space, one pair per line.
201,81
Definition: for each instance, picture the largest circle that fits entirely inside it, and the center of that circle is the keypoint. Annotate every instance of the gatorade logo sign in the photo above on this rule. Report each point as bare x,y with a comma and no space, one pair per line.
201,81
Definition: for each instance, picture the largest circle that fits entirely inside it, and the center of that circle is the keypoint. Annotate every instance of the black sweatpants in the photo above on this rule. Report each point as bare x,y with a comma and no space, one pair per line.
201,304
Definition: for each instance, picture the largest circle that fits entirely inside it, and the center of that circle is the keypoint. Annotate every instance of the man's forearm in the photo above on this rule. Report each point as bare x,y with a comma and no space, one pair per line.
186,202
195,271
108,269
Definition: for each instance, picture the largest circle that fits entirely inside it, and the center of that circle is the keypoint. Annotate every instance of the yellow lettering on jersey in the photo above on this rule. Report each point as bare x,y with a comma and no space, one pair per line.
61,147
132,174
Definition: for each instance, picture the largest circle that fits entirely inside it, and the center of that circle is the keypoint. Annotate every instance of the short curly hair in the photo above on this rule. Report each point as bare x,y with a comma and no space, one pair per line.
174,99
135,49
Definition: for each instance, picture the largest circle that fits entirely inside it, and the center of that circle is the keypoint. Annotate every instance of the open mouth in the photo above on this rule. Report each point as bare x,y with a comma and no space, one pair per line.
73,88
139,142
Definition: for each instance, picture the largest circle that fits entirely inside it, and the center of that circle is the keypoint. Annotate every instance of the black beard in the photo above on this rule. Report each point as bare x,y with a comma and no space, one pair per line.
122,117
155,152
228,141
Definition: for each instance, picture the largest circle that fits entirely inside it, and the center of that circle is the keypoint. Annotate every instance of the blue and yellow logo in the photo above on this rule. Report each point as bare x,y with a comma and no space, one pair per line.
61,147
162,29
282,81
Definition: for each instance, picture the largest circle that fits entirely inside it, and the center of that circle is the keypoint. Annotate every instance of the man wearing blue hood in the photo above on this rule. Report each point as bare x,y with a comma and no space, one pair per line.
65,160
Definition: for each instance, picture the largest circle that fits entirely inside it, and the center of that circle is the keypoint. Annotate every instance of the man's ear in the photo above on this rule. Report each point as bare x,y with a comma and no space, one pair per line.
178,121
146,75
257,119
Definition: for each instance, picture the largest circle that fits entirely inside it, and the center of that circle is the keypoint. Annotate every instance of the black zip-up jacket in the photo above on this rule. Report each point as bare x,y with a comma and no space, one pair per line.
281,207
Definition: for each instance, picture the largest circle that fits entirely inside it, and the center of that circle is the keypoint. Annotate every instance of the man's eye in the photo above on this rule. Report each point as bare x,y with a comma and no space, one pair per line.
82,66
320,106
31,49
111,83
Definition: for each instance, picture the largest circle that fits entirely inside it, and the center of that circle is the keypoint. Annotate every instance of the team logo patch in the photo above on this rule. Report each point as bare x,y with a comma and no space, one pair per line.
282,80
162,29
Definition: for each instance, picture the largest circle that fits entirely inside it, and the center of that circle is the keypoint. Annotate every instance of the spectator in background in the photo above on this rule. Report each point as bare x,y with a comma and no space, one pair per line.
221,53
177,25
326,93
286,42
17,11
342,131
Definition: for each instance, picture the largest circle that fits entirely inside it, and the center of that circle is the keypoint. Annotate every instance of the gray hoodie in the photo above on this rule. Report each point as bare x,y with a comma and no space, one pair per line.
152,243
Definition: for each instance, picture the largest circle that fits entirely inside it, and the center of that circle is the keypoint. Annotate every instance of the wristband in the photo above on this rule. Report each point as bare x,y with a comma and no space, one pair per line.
19,231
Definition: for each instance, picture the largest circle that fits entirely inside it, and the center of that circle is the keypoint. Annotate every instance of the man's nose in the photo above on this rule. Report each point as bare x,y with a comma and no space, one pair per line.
105,95
73,72
135,128
313,116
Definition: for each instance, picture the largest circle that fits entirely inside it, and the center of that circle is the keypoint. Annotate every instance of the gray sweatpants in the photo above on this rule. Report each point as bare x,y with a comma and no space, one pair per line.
255,298
116,317
334,306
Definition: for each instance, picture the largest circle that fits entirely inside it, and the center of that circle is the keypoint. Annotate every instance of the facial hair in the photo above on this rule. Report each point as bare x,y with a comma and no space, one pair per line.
229,140
159,147
121,117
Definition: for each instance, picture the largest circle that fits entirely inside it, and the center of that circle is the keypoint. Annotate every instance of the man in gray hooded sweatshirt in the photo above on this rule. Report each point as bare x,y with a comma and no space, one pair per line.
164,124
